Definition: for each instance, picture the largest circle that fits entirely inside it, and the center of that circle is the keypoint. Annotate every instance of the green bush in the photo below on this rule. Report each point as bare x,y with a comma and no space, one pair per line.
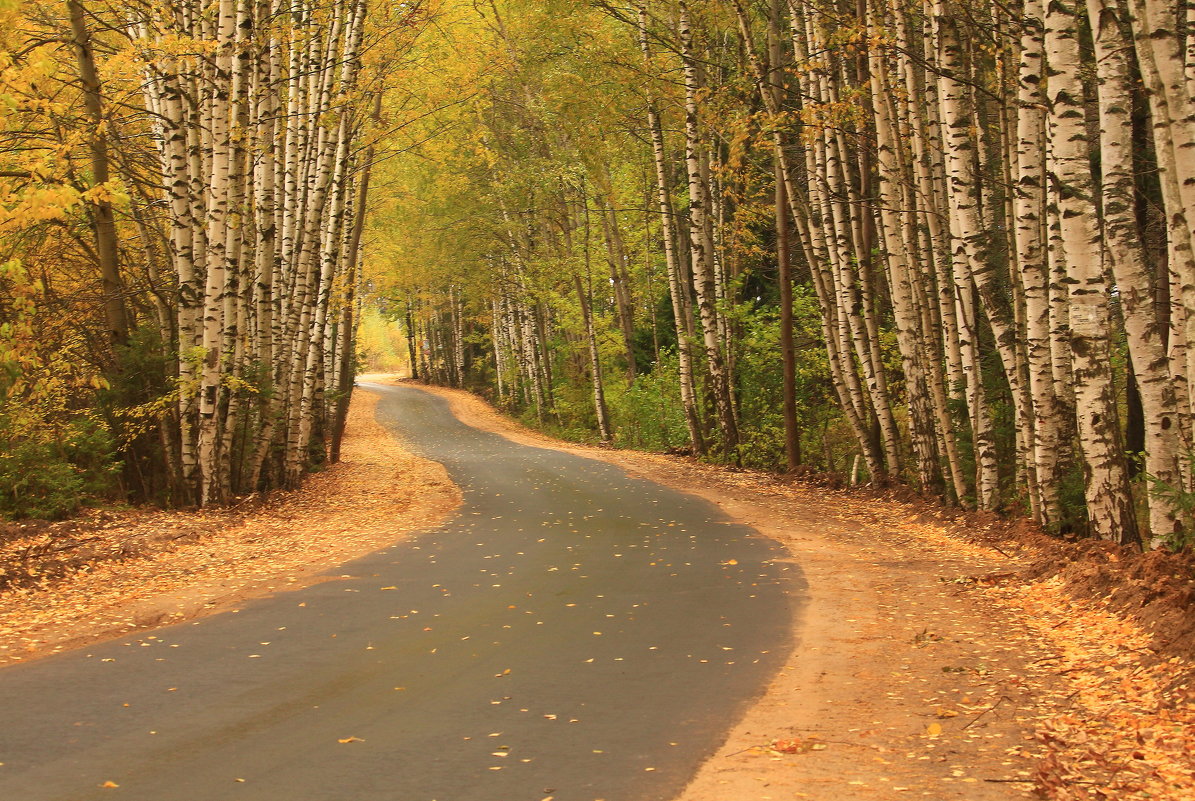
36,482
648,414
50,478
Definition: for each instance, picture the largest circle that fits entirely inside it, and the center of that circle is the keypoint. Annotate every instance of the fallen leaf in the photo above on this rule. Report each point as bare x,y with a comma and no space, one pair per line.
789,745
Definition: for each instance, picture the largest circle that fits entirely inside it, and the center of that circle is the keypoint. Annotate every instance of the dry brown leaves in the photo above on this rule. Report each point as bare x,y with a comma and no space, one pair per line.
147,569
1114,720
1122,725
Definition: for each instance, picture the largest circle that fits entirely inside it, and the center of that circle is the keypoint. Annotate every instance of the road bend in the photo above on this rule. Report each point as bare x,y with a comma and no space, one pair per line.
572,633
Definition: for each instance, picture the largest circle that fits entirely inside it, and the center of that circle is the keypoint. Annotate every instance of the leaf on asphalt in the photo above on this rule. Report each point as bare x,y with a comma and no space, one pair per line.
109,785
350,740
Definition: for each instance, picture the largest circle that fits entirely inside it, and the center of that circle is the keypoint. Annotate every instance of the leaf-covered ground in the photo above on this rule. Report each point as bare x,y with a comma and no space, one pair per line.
936,657
109,573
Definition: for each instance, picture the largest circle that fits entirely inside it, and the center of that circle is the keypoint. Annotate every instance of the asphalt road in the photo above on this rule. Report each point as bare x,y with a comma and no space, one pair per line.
573,633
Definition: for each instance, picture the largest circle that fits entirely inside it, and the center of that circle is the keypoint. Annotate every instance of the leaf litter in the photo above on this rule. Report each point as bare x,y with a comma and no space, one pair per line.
109,573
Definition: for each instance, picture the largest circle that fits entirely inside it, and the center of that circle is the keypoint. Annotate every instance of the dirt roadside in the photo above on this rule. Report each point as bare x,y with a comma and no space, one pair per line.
107,574
924,666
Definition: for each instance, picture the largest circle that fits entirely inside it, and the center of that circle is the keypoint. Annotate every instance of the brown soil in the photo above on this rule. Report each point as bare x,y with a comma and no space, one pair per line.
1156,589
927,664
108,573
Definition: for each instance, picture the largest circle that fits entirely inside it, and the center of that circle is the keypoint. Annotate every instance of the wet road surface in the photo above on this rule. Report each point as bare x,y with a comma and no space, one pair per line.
572,633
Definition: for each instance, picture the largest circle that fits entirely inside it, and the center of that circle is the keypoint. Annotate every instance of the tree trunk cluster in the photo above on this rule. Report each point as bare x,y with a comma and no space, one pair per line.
257,118
984,205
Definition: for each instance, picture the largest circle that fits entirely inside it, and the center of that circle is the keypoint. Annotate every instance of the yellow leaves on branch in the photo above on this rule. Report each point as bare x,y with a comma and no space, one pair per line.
112,192
19,210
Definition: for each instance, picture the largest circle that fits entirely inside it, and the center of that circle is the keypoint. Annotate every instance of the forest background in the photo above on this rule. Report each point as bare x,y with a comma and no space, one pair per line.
926,243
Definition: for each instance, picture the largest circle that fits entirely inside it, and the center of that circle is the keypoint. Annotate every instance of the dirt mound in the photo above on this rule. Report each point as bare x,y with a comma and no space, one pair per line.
1156,589
34,552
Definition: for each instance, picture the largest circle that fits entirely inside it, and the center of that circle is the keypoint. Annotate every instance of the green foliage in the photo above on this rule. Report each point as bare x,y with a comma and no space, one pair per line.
49,474
139,397
37,482
55,450
761,393
648,414
1072,499
1183,502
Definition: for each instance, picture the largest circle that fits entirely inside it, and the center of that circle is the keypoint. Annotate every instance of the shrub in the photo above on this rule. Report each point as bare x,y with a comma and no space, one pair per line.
36,482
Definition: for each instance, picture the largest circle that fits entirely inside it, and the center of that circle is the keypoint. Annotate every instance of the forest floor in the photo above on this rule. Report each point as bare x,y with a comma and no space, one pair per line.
937,656
107,573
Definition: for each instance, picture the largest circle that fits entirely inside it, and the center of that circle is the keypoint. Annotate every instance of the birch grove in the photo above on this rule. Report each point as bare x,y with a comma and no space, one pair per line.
255,109
209,164
884,241
898,240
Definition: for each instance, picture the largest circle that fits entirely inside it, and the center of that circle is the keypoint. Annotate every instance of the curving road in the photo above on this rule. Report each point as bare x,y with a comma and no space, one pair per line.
572,633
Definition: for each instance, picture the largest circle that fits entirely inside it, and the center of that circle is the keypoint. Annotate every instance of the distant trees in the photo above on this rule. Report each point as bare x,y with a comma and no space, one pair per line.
938,244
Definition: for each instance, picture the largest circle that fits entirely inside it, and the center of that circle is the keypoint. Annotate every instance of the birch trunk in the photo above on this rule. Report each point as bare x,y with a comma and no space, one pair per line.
702,243
1123,249
1109,502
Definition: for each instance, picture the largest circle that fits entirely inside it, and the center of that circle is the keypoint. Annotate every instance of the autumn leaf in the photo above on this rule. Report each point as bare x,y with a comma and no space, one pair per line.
793,745
345,740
